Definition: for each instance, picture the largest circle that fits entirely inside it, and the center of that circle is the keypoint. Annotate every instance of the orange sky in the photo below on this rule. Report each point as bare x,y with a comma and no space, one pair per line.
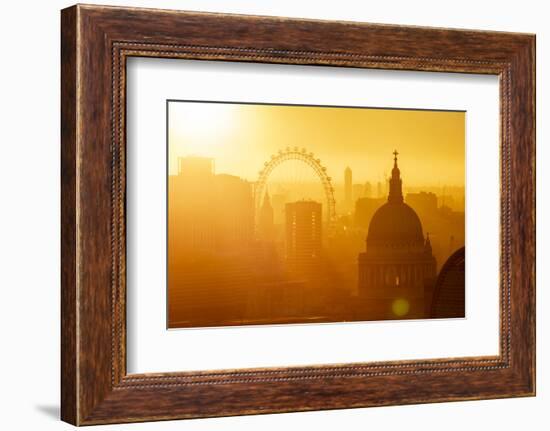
241,137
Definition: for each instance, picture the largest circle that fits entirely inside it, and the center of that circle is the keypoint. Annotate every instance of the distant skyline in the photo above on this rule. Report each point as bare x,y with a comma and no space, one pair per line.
241,137
270,219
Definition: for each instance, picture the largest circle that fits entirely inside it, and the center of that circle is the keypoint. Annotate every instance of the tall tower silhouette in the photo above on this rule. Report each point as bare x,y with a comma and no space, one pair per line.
396,192
348,199
266,226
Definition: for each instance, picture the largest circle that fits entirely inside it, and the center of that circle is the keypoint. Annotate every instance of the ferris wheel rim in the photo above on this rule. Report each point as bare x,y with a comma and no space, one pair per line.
301,155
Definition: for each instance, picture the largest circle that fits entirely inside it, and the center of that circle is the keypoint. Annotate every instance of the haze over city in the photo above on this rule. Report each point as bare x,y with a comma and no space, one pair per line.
289,214
241,137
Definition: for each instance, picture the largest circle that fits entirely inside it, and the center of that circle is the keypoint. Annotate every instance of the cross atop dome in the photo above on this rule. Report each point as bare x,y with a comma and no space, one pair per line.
396,193
395,154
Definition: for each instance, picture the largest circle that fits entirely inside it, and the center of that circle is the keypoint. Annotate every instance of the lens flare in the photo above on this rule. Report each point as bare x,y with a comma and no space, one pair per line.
400,307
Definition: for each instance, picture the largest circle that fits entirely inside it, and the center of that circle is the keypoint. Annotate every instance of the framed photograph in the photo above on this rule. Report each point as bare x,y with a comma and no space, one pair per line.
288,245
264,215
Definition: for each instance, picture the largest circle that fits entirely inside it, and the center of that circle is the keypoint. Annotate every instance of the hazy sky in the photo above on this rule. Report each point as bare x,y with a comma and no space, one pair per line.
431,144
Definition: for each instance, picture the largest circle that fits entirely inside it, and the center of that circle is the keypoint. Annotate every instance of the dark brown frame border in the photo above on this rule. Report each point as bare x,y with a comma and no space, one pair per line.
95,43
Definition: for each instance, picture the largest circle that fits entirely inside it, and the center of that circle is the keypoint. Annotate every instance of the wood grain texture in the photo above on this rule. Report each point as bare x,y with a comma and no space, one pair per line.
96,41
69,366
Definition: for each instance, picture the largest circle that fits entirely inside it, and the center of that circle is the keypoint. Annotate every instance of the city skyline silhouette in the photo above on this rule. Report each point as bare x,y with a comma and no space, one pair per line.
294,240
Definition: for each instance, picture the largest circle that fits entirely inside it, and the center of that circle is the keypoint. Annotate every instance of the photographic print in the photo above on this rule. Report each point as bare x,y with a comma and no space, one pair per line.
281,214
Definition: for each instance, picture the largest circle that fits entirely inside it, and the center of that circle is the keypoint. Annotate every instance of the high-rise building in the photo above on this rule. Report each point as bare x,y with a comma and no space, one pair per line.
398,261
266,225
348,199
358,192
234,213
207,212
278,201
368,190
195,167
303,232
379,191
191,222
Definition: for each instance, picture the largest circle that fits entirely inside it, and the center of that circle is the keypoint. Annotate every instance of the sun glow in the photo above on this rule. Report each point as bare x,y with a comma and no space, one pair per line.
200,128
241,136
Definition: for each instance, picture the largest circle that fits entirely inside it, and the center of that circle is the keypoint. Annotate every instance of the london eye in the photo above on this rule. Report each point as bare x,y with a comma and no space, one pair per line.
297,174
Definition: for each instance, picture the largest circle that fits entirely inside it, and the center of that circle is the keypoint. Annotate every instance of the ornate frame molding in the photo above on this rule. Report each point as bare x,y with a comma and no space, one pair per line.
96,41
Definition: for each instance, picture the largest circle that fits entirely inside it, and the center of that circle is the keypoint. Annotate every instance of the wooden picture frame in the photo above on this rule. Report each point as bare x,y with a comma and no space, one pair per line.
95,43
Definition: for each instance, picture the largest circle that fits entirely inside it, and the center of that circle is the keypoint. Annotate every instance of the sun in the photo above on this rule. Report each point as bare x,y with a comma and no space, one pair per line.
199,128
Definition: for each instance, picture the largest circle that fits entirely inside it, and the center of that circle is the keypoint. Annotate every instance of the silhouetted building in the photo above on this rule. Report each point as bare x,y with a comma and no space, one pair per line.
368,190
379,192
234,208
207,212
449,289
210,234
266,226
398,260
424,203
278,201
191,221
303,232
358,192
447,201
195,167
348,199
364,210
446,226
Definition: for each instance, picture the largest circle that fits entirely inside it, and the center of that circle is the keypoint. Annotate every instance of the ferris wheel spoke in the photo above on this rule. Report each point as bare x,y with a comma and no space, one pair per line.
284,171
